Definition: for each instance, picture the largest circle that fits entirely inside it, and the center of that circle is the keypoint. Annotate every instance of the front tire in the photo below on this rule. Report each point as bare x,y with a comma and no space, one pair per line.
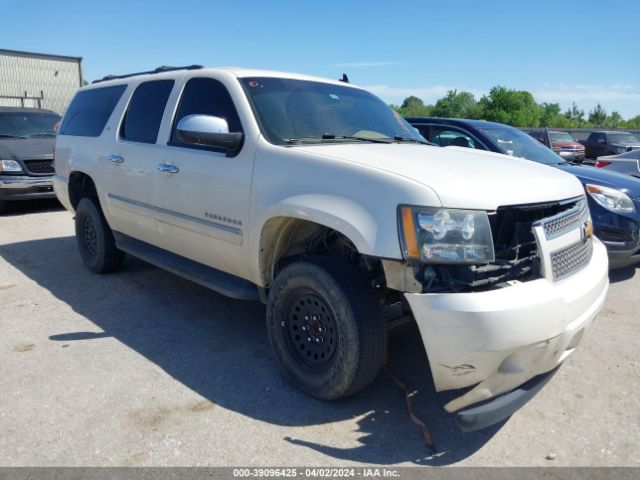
326,327
95,239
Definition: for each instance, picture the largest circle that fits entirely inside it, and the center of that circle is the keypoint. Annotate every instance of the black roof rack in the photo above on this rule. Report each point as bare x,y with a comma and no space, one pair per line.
163,68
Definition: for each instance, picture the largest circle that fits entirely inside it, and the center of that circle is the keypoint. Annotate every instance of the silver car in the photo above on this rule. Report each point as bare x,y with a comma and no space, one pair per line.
627,163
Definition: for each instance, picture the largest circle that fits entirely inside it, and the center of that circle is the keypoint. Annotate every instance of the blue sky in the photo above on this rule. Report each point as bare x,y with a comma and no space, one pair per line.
587,51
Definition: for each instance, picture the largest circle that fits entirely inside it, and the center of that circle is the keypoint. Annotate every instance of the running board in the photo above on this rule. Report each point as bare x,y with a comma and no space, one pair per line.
221,282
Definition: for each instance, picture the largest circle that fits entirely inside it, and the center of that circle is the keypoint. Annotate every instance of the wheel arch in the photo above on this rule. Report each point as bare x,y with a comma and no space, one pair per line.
289,225
80,184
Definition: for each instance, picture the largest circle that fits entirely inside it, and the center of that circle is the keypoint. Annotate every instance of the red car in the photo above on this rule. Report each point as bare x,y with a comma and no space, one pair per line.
562,143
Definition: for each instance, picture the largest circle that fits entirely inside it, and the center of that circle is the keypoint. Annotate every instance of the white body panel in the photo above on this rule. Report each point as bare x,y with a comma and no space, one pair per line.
501,338
215,209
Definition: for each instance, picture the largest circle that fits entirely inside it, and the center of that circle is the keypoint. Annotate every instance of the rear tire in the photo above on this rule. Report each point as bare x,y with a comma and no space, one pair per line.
95,239
326,327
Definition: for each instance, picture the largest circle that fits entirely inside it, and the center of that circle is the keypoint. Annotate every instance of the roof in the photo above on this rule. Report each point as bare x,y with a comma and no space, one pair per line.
36,54
25,110
461,121
611,131
239,72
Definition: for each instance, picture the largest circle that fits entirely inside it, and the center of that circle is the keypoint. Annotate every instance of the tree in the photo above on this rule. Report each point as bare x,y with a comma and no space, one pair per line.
598,116
456,105
632,122
614,120
513,107
411,103
413,107
575,116
551,116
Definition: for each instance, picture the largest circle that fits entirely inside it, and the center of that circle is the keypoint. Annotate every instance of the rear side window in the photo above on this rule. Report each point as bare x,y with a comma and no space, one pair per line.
144,114
89,111
206,96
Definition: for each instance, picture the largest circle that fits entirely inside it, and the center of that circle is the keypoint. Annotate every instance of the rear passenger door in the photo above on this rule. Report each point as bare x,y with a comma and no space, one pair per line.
129,168
203,202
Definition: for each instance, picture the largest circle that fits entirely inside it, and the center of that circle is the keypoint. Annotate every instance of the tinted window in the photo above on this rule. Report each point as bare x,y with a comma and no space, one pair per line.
206,96
142,120
89,111
448,137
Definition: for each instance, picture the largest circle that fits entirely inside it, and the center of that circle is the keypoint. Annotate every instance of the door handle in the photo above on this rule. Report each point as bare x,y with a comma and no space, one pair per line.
116,158
168,169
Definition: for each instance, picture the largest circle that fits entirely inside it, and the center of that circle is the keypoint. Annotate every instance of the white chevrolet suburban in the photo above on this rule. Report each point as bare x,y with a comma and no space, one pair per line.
315,197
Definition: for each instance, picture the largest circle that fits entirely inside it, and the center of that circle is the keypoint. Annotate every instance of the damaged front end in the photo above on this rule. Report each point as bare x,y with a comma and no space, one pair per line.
492,327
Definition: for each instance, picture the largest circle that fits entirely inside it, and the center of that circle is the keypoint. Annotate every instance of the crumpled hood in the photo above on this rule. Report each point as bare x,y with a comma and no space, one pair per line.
461,177
26,148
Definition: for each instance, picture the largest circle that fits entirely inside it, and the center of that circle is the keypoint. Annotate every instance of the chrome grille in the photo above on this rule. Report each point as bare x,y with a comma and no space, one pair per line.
40,166
571,259
566,221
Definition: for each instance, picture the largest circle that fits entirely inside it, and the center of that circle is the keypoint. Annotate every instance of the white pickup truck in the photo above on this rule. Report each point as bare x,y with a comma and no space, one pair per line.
315,197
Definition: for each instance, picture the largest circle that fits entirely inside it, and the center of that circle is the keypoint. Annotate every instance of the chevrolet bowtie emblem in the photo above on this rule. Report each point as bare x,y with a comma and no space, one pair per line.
587,230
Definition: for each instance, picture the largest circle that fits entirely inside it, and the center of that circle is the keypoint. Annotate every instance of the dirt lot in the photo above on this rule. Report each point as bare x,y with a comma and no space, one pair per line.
144,368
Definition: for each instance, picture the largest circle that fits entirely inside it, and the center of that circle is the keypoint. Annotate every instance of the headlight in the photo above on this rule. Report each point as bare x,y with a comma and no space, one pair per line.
611,199
10,166
443,235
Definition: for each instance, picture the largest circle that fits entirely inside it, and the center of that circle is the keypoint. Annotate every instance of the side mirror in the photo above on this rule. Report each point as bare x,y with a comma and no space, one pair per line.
208,131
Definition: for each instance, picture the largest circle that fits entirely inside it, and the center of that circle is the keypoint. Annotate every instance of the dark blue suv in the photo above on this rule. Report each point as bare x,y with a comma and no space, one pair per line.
614,199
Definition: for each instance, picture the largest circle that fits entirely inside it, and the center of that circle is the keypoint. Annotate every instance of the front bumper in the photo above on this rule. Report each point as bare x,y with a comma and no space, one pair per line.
577,156
23,187
499,339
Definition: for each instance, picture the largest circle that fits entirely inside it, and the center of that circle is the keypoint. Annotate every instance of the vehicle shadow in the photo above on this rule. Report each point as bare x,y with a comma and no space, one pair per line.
26,207
218,347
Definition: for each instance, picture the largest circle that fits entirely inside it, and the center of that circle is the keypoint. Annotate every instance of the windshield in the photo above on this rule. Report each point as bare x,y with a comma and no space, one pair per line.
28,124
561,137
519,144
294,111
626,138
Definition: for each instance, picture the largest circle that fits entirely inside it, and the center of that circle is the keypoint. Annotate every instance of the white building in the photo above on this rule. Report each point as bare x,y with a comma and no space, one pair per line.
38,80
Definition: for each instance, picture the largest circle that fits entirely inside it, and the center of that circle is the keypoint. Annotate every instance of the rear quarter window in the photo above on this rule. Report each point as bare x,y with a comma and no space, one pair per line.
89,111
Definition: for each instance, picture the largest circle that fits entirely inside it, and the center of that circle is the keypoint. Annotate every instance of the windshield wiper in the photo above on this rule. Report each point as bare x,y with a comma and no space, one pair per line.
11,135
43,134
402,138
329,136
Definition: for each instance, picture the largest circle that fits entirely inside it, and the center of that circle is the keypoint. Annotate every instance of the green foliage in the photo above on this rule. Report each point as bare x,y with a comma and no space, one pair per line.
551,116
575,116
513,107
413,107
598,116
456,105
631,123
614,120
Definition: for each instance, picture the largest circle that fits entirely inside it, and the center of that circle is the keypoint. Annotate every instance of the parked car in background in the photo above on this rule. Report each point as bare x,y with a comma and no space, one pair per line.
562,143
614,199
603,142
27,138
627,163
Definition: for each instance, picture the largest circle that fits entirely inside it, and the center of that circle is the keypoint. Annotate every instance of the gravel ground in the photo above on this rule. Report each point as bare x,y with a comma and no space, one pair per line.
144,368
